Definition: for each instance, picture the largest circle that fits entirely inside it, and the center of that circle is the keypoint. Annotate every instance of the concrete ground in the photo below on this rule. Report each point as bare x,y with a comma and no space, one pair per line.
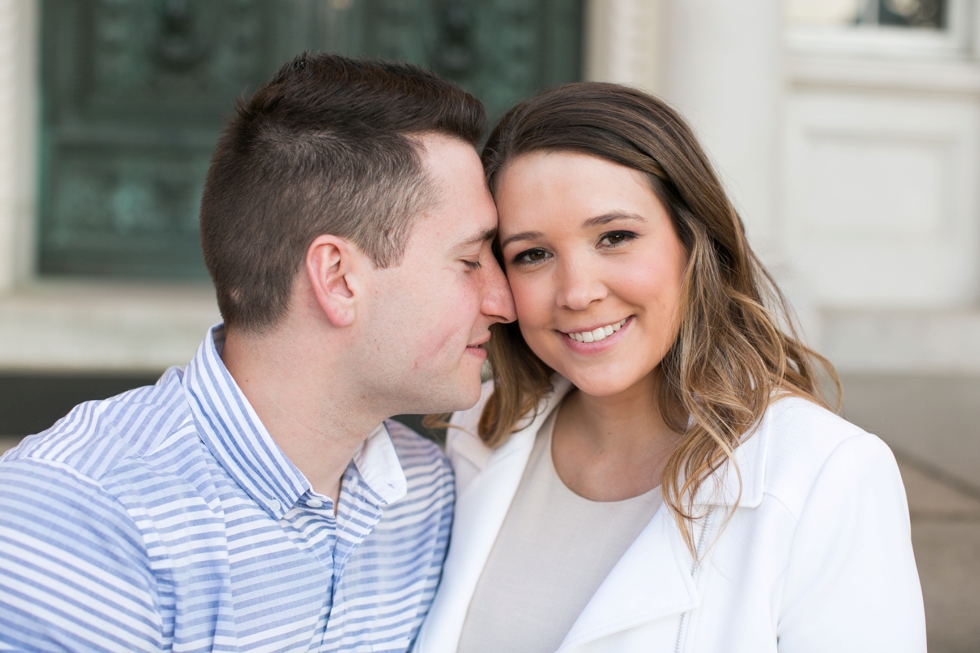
946,539
933,425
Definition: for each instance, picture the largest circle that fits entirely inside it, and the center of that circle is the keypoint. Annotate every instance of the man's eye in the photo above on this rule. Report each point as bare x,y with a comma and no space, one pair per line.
531,256
472,265
614,238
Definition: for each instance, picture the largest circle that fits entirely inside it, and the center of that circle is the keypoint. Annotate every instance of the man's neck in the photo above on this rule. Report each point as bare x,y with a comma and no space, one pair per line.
313,416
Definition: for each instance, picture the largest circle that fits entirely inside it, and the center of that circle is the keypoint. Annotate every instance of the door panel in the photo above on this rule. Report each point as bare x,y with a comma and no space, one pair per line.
134,92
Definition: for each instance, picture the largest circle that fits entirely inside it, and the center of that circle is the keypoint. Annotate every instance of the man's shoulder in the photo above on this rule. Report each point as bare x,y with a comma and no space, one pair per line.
99,512
98,438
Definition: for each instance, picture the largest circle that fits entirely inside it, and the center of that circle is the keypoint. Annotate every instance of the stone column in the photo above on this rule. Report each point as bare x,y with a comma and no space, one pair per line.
624,42
723,70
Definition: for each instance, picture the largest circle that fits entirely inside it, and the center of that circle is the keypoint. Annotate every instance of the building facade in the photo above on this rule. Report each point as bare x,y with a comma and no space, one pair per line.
847,131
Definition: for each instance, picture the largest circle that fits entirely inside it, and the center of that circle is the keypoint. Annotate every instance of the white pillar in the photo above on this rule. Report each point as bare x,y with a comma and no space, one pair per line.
723,72
18,139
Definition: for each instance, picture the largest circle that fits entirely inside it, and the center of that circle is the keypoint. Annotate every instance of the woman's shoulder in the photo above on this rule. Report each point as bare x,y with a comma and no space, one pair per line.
807,444
797,422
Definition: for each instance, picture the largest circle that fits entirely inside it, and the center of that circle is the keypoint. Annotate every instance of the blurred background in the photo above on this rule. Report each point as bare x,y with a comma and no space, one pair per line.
847,131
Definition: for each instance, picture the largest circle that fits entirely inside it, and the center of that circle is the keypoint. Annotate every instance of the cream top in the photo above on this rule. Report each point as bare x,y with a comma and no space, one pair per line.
553,551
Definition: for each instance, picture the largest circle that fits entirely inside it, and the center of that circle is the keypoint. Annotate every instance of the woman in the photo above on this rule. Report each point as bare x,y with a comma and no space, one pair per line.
653,467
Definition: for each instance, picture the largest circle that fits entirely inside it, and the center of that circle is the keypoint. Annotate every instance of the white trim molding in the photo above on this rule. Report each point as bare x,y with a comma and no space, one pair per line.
879,41
902,75
19,27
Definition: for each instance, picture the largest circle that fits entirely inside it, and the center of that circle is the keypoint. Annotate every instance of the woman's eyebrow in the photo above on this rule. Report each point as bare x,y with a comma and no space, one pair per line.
524,235
606,218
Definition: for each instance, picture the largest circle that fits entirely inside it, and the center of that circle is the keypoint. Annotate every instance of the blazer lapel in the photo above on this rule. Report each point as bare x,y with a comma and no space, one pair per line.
651,581
746,481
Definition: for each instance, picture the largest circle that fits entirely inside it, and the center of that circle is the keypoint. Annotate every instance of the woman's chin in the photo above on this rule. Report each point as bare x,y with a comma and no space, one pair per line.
600,387
621,381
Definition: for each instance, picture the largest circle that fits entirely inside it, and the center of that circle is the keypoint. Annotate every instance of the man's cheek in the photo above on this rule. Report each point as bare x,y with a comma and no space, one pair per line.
437,344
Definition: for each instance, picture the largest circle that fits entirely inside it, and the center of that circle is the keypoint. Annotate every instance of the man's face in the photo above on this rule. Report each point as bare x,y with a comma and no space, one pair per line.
430,315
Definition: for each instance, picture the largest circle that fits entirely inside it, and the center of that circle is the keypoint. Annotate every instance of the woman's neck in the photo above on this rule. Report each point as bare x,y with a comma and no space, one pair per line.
612,448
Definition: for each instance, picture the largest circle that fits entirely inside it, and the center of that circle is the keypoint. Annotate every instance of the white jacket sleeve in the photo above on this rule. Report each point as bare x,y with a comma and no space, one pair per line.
851,583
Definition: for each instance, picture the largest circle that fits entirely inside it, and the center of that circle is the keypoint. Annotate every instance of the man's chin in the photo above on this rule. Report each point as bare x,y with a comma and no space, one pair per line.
461,397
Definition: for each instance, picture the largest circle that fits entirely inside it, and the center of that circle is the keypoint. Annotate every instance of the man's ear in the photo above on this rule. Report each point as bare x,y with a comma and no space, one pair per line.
331,266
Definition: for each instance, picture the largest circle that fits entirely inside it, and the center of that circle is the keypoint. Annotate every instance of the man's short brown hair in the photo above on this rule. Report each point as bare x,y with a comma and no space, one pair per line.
325,147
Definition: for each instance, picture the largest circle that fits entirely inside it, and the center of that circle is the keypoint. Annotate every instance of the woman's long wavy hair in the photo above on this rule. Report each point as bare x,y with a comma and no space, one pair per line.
736,347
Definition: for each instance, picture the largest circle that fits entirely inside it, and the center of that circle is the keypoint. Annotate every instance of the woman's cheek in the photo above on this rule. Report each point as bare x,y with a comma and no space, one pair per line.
528,300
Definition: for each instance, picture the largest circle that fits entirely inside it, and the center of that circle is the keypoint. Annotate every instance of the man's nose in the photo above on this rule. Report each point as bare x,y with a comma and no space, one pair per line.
498,301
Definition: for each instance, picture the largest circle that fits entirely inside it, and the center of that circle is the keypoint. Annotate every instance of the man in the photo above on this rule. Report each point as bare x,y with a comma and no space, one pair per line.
254,501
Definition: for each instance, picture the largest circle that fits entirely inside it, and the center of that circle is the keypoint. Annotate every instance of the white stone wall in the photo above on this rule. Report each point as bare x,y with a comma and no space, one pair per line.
881,151
625,42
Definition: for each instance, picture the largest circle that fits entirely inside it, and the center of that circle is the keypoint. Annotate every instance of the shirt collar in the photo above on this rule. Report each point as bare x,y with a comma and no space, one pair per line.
377,463
236,436
233,432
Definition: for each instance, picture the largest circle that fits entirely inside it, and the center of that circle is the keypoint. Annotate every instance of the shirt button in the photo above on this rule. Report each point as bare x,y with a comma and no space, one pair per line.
273,504
314,503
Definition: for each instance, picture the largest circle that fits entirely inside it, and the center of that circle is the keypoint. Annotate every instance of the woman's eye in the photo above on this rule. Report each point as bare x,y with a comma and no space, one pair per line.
531,256
614,238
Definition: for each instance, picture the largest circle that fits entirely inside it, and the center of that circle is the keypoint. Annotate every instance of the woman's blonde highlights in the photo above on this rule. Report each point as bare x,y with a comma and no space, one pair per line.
736,346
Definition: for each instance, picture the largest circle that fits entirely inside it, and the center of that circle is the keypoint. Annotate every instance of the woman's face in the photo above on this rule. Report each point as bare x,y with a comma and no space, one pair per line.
595,267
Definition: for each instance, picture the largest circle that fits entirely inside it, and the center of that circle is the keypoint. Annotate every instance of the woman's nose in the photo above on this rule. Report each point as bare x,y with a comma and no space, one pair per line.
578,286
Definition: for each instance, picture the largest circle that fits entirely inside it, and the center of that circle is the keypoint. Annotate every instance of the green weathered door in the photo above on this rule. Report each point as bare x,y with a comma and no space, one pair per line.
134,92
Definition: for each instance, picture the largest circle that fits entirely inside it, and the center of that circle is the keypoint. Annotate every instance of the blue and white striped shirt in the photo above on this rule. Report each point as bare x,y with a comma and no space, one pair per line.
167,518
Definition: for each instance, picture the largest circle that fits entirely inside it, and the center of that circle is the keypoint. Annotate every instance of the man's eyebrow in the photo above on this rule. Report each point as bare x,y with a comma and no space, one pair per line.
482,237
591,223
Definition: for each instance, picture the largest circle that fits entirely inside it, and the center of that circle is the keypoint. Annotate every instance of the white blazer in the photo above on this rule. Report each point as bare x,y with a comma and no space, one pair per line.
816,558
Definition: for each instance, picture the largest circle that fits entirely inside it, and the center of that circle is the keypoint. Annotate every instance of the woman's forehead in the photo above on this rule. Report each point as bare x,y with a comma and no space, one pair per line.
560,187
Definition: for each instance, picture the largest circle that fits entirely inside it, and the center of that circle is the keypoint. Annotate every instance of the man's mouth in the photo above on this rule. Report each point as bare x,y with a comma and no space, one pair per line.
479,343
599,333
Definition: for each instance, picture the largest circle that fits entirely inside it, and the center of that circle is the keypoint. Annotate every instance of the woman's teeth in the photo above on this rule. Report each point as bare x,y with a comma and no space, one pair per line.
600,333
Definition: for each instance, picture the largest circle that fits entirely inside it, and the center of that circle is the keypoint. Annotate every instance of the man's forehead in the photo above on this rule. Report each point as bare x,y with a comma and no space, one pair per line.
461,213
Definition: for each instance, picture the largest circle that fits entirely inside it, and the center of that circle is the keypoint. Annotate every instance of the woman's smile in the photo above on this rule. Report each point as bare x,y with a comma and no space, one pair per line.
597,334
593,342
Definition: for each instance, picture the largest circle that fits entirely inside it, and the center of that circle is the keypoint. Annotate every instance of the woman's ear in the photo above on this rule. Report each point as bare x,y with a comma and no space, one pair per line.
331,266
